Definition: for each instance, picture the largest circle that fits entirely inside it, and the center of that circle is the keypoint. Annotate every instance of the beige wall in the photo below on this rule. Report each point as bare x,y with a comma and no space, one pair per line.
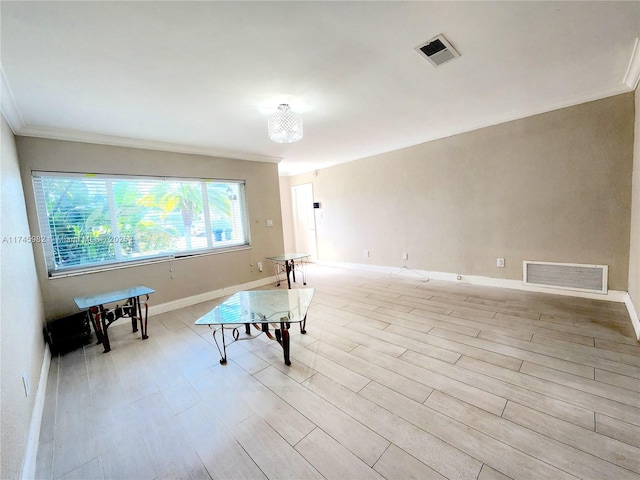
634,252
551,187
190,276
287,215
21,314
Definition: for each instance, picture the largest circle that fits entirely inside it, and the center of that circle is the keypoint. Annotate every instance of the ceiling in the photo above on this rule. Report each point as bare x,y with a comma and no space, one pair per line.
202,77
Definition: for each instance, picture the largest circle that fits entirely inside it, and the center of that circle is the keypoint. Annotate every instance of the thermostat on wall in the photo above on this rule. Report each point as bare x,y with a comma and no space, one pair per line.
316,204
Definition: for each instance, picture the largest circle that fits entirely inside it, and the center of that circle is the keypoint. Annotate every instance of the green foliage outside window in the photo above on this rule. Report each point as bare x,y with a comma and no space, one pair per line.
92,220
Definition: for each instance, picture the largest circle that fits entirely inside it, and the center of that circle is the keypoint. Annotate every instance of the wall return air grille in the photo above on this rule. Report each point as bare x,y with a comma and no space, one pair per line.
572,276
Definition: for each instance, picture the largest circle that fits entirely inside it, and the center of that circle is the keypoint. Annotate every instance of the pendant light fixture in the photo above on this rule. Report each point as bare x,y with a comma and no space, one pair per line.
284,125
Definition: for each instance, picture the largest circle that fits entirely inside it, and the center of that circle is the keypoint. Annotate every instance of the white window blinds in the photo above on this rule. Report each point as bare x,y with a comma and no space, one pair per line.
88,221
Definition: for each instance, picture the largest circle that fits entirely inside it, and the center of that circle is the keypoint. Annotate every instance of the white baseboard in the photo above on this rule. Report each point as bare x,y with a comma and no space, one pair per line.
206,296
635,321
33,441
610,296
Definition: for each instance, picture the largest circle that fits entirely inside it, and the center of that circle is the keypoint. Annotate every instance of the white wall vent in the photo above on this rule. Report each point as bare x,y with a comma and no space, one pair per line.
572,276
438,50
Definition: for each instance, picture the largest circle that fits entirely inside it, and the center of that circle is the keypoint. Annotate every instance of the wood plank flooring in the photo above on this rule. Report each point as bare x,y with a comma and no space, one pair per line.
398,377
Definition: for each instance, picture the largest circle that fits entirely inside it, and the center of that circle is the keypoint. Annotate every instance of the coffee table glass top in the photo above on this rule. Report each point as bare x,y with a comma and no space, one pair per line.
259,306
100,299
288,256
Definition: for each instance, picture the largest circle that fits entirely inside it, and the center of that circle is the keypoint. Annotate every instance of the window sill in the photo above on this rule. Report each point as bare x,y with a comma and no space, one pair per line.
140,263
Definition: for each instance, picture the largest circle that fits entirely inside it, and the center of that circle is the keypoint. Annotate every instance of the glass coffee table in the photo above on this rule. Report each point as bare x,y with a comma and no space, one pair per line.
260,308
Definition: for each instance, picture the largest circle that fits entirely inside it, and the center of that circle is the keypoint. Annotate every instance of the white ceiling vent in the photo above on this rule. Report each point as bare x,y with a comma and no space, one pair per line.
438,50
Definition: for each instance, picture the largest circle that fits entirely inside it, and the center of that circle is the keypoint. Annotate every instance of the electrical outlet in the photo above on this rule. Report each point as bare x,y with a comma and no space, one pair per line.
366,253
259,266
500,262
405,256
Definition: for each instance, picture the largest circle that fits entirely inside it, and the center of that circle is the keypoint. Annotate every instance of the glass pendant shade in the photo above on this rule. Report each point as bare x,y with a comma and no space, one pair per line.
285,126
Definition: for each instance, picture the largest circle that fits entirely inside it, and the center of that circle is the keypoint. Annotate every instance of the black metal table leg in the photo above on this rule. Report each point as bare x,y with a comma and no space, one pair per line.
223,352
105,334
287,266
143,326
285,343
94,317
133,313
303,325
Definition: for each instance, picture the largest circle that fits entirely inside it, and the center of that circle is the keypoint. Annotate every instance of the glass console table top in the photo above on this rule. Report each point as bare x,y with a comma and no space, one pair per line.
288,256
111,297
258,306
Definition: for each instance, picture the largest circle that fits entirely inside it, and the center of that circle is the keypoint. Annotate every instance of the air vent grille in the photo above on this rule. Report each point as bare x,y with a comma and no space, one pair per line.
587,278
437,51
433,47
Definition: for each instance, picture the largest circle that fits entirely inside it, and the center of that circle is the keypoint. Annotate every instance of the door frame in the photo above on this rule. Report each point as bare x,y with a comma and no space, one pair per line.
313,251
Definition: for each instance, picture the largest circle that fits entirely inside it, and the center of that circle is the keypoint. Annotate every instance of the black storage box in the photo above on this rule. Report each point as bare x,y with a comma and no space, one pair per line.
68,333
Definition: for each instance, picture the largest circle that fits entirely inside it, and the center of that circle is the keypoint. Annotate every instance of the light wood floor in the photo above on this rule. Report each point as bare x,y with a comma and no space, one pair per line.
396,378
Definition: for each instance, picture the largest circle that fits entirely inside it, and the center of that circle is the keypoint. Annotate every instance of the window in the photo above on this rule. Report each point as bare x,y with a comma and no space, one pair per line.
89,221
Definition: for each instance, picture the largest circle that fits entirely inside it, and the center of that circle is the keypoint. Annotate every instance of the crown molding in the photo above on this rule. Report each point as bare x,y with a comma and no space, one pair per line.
472,126
9,110
12,115
16,123
632,76
498,120
100,139
550,107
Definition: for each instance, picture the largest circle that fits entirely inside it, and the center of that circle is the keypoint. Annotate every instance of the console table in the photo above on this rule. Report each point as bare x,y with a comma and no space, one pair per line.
287,262
102,317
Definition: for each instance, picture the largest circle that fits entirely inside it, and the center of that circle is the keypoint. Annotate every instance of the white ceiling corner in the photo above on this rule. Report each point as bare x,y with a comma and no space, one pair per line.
9,110
632,76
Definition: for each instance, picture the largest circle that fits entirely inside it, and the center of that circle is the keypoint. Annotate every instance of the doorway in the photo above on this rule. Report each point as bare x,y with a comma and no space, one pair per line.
304,220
